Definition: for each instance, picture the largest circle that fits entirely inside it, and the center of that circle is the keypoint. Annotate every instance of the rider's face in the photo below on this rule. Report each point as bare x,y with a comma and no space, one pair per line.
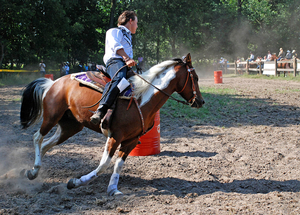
133,25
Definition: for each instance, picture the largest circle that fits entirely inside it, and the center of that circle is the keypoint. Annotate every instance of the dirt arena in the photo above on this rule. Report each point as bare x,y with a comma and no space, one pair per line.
245,163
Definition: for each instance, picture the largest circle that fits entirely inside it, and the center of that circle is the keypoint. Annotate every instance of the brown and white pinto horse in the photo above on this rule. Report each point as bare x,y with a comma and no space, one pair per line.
62,102
281,64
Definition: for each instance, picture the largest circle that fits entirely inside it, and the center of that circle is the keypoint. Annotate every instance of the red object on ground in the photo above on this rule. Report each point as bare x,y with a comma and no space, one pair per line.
150,142
218,77
50,76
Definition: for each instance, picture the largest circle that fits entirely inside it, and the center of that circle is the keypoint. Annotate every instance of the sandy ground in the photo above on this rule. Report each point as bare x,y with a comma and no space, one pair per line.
239,164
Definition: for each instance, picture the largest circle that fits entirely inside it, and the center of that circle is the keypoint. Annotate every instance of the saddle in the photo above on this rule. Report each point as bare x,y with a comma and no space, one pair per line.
100,79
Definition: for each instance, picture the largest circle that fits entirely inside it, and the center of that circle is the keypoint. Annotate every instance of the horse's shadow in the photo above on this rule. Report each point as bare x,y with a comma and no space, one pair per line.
180,187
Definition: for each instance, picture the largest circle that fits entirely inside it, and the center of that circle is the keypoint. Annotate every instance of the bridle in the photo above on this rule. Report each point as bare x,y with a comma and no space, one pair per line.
189,102
189,70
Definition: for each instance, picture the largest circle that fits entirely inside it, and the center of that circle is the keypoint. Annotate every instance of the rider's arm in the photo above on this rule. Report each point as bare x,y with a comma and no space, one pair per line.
129,62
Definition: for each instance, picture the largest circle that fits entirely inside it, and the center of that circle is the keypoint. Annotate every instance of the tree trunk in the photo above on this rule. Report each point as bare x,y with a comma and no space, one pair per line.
2,55
112,13
157,48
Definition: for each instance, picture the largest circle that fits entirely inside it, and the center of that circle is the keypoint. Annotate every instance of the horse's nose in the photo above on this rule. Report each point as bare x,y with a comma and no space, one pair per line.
198,103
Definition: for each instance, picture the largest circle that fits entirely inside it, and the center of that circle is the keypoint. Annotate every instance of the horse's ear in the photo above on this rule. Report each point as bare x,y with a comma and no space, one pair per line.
188,60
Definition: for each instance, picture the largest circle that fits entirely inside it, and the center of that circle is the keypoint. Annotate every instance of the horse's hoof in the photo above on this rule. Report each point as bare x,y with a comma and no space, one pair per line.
29,175
115,193
71,184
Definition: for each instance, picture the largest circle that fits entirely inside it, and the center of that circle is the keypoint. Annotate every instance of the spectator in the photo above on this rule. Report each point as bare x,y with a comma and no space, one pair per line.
80,67
222,63
251,58
67,68
62,69
288,55
269,56
238,65
42,69
86,67
259,62
294,54
281,54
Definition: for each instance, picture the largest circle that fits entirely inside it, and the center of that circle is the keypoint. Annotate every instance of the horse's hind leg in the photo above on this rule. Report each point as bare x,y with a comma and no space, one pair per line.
37,141
66,128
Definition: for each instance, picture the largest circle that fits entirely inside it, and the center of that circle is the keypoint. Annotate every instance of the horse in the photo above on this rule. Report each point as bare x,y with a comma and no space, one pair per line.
64,102
281,64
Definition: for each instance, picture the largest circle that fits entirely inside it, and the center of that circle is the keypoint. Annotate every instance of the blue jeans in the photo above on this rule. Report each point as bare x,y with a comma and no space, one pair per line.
113,66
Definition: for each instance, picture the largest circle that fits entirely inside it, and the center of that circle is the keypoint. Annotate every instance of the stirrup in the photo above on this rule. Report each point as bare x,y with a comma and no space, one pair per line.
96,118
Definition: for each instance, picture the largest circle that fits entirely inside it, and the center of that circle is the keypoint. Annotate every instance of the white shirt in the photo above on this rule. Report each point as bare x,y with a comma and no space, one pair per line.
114,41
42,67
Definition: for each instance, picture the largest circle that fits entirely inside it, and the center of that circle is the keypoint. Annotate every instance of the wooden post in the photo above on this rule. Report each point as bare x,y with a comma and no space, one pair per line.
295,66
260,68
247,67
275,61
235,67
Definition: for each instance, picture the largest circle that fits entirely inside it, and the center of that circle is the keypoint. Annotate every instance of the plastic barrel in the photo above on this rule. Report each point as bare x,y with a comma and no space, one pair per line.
50,76
218,77
150,142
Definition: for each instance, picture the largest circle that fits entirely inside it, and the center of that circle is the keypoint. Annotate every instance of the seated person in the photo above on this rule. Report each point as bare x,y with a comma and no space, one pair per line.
288,55
281,54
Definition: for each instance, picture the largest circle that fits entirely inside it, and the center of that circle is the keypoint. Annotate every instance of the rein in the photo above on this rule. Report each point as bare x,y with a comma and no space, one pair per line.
189,70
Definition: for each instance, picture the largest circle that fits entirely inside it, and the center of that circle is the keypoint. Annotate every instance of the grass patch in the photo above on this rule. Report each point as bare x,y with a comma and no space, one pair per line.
10,79
21,78
221,105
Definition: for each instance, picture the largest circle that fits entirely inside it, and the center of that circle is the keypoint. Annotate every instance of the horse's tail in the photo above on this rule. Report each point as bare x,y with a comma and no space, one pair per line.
32,101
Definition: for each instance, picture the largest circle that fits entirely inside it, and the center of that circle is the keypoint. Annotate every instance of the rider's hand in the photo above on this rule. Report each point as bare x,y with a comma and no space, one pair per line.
130,63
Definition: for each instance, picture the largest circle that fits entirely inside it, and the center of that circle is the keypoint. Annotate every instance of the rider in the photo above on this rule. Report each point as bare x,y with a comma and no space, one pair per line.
281,54
288,54
118,53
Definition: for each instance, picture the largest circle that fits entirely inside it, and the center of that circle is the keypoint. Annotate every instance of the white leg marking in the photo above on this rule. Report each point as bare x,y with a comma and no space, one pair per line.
118,165
114,179
50,142
104,163
37,141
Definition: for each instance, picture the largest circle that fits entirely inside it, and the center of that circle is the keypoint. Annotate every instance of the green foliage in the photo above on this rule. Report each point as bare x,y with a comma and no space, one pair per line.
74,30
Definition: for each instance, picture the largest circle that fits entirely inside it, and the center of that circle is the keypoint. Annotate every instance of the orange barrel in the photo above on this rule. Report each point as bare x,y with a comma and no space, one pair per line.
150,142
50,76
218,77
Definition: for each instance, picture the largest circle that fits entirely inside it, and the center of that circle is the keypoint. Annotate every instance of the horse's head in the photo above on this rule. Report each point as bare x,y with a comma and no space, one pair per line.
187,85
273,57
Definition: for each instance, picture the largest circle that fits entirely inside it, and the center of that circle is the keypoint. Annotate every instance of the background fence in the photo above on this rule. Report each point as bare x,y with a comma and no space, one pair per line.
263,67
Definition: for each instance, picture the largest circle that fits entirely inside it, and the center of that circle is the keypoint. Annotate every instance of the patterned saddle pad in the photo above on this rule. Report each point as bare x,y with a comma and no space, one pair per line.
83,78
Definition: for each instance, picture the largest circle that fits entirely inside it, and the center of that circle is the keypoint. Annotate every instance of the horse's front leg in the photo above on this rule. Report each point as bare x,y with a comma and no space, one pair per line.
126,148
37,141
110,148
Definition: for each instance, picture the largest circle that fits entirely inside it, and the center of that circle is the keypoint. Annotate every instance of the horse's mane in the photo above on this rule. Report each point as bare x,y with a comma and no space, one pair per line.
140,86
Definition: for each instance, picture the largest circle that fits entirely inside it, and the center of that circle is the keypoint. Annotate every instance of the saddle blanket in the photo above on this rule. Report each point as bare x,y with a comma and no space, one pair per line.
82,78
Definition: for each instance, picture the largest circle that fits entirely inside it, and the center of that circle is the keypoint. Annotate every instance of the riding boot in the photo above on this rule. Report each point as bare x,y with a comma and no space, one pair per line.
105,104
